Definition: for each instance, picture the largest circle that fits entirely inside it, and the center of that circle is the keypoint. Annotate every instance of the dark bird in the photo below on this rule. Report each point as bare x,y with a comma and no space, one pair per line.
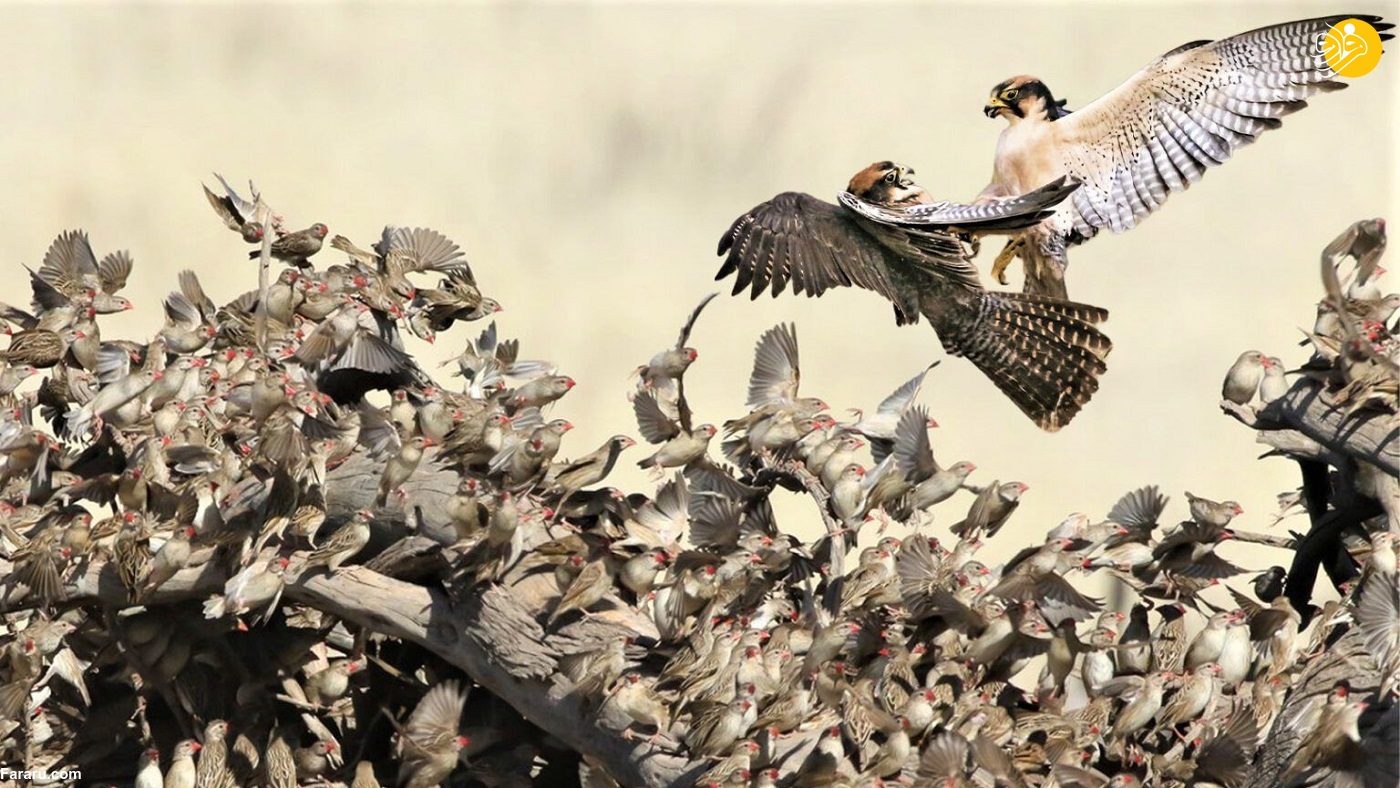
1045,354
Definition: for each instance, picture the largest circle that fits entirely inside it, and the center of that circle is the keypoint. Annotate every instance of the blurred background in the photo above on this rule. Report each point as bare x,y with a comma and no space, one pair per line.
588,159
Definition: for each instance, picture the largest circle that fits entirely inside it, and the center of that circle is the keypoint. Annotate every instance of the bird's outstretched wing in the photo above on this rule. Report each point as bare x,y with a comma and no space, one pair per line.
1185,112
814,244
690,321
996,216
777,371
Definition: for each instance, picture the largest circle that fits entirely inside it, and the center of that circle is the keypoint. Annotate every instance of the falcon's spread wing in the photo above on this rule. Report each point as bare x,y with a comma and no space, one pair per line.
1187,111
814,244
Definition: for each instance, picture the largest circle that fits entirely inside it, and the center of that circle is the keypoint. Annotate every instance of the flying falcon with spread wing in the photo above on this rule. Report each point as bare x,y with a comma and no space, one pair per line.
1043,353
1155,134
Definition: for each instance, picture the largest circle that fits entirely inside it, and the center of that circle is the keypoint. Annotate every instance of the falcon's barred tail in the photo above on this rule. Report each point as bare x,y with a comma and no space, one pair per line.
1043,353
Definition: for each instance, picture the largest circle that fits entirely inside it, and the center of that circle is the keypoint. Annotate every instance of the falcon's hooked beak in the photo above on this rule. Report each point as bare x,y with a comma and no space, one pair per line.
995,106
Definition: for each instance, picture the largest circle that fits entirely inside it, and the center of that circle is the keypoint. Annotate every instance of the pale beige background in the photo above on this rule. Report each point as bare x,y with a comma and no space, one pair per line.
588,159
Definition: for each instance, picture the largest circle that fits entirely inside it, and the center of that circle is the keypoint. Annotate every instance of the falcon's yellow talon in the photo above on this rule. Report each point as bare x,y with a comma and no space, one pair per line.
1003,261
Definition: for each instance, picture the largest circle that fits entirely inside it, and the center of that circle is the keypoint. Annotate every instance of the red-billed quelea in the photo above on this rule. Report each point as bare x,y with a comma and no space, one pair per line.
1244,377
212,771
294,248
991,509
641,704
429,741
182,772
328,685
679,448
342,545
400,467
169,559
257,586
662,372
237,213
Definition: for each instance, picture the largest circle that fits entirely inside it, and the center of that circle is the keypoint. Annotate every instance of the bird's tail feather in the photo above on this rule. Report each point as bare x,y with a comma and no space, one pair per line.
1043,353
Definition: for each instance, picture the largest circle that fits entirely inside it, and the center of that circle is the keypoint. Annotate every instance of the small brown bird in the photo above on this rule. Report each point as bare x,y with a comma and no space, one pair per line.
400,467
213,756
39,348
148,773
1210,513
347,541
254,587
429,742
640,702
991,509
587,470
313,761
1244,377
592,584
295,248
236,212
330,684
171,558
278,762
182,772
720,726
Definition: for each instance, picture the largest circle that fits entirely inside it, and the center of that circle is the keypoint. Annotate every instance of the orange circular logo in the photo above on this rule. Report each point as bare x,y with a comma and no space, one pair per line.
1351,48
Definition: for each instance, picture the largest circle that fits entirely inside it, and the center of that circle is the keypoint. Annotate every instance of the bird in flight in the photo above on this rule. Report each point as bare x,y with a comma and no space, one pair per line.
1043,353
1155,134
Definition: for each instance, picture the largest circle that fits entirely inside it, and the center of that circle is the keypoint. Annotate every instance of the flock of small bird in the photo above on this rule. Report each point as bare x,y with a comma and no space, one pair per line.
211,444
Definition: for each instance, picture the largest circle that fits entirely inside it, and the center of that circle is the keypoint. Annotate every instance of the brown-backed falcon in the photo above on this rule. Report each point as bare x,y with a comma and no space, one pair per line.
1155,134
1043,353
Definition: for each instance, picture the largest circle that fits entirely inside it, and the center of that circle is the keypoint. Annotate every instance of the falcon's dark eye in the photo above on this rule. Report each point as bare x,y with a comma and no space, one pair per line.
1010,95
890,177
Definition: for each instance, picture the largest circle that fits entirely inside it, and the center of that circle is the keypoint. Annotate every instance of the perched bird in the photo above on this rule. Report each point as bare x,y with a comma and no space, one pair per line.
182,772
256,586
1155,134
148,774
212,770
1275,383
330,684
295,248
1244,377
401,466
169,559
587,470
1044,354
347,541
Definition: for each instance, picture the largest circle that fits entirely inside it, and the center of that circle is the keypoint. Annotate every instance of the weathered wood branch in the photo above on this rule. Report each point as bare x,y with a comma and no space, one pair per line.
1306,408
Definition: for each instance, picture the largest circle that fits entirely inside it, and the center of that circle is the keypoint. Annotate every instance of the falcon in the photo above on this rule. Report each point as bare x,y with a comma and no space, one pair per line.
1043,353
1155,134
